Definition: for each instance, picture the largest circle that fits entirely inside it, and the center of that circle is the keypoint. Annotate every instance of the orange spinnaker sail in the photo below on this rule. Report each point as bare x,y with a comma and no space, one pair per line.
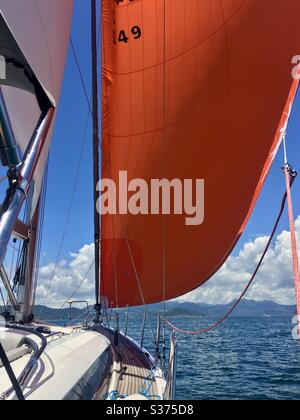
191,90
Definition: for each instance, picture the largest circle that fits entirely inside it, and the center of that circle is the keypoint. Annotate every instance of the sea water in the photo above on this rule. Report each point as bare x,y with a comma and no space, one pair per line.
245,359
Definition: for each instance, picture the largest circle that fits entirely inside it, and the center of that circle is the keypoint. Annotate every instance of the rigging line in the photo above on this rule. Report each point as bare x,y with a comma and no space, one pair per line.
92,110
86,313
68,212
164,233
18,263
78,168
10,373
81,76
2,179
96,156
75,291
134,265
108,163
288,172
13,247
78,66
88,100
125,233
136,274
138,281
39,236
2,298
40,230
232,309
14,250
135,271
285,149
19,252
79,164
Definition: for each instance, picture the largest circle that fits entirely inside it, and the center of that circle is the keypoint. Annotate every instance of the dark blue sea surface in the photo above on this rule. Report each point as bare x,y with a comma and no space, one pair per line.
245,359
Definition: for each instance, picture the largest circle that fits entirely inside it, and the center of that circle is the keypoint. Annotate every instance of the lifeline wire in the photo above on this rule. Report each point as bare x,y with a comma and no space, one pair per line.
232,309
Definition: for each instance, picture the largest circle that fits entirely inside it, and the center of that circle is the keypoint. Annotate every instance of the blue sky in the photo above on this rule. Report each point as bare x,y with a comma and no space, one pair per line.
72,143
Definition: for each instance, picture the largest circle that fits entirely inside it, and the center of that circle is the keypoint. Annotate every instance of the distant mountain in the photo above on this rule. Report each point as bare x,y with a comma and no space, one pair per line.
49,314
177,312
247,308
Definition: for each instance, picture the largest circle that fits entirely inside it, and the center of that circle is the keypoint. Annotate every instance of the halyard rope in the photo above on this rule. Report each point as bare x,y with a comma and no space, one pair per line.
290,180
295,257
289,172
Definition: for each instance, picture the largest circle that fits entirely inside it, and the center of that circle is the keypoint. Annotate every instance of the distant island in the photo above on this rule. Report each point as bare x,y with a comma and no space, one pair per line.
178,312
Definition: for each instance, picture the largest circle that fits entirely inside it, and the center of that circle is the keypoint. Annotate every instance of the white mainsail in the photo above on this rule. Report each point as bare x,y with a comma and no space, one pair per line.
42,29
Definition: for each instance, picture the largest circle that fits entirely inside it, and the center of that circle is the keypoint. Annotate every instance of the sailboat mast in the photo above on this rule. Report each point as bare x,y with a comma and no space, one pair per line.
96,157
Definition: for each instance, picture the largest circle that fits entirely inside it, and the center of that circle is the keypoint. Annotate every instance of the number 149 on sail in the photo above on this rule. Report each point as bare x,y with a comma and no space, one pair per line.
122,36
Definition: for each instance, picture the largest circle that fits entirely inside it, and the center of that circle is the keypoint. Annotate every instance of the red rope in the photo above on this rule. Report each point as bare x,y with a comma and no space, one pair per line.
287,172
290,181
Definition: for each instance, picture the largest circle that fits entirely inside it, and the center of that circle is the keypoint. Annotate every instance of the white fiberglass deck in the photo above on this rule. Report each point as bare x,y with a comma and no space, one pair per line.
71,358
79,364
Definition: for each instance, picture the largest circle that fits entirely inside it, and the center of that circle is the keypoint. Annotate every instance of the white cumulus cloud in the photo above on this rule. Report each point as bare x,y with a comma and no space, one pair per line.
68,276
274,280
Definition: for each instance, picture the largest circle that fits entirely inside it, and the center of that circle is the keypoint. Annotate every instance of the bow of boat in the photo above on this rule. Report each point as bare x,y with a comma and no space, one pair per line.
75,363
